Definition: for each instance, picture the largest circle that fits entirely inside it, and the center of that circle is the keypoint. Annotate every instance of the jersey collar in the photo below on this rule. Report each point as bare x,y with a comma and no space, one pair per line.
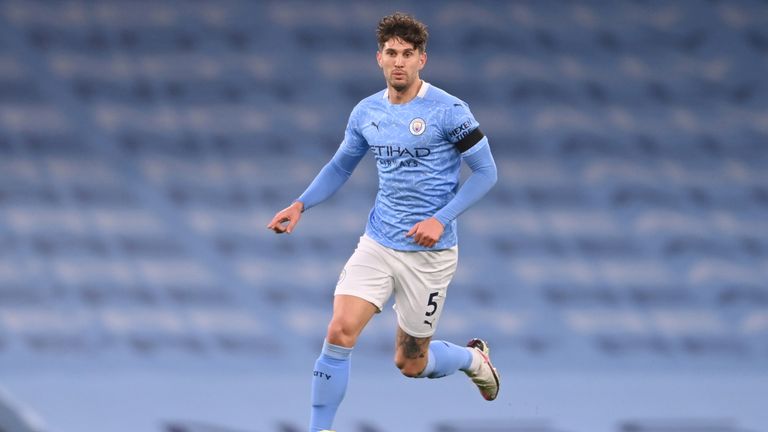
422,91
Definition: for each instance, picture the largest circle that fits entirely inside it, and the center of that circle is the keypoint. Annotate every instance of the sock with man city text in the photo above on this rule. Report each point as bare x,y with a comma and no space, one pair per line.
329,384
446,358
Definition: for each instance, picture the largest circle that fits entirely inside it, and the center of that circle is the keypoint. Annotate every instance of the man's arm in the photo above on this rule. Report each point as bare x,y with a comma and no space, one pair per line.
481,180
427,232
330,179
333,175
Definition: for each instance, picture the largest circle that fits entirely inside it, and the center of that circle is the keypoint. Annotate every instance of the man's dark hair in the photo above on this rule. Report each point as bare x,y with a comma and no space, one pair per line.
402,26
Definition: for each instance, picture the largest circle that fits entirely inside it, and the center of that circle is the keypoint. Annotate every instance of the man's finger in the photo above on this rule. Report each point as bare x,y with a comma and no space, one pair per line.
272,224
412,231
276,224
290,226
276,220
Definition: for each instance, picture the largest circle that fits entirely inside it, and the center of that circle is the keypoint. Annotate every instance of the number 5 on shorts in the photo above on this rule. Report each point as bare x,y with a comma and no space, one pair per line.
432,303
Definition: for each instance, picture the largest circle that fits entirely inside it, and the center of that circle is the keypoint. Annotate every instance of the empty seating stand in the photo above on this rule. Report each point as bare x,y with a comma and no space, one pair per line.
145,145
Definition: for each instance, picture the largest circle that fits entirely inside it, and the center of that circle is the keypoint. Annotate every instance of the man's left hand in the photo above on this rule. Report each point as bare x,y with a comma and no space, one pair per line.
427,232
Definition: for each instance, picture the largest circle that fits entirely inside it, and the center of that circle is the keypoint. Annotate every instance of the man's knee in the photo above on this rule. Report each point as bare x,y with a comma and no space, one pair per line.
341,333
411,354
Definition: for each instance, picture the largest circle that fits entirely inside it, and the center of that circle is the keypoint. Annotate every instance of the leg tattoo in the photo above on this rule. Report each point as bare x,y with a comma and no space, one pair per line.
412,347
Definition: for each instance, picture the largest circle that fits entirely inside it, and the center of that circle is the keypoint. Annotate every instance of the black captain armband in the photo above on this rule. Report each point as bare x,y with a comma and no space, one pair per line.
470,140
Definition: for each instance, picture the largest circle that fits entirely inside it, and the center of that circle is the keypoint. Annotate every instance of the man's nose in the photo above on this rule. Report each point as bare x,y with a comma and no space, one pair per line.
399,61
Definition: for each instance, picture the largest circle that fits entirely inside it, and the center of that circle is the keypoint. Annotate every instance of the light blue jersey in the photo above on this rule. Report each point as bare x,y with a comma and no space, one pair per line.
418,149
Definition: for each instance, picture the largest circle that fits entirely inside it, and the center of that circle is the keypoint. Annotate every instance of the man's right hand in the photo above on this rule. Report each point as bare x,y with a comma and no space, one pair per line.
290,214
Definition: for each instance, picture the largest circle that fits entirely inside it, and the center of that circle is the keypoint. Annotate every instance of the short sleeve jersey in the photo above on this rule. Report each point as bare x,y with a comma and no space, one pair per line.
417,147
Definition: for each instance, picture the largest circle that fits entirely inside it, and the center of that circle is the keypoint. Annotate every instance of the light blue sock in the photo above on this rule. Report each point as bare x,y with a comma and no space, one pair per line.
329,384
445,358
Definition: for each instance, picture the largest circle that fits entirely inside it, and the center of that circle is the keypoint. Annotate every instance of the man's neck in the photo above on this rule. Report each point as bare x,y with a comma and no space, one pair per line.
406,95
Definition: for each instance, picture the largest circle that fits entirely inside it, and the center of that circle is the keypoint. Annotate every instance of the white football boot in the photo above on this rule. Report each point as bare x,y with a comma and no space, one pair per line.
485,377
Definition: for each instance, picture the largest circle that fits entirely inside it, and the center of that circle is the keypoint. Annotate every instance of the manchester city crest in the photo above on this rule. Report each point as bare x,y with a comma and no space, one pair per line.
417,126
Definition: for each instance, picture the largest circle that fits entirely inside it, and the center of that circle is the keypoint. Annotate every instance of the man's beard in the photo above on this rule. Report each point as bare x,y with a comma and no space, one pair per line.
398,86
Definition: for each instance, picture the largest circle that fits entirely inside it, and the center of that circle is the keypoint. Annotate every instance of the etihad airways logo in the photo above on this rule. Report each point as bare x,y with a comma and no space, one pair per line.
397,151
390,155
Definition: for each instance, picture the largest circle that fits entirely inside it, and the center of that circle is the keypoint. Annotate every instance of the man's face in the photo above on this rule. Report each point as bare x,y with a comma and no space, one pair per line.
401,63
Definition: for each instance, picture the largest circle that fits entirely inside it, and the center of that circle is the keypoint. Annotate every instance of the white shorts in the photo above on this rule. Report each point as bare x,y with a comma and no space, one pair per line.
419,280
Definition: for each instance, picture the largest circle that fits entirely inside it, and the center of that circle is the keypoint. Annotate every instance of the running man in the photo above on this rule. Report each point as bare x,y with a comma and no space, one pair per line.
418,134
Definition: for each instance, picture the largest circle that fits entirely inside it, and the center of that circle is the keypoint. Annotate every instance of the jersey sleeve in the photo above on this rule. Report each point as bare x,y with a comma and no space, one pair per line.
354,143
482,179
336,172
462,130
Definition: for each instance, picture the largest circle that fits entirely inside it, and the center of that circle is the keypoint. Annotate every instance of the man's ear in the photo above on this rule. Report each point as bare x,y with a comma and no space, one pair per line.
378,58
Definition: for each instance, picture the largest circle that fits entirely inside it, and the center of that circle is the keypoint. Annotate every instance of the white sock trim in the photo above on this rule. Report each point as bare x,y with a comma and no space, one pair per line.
477,360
